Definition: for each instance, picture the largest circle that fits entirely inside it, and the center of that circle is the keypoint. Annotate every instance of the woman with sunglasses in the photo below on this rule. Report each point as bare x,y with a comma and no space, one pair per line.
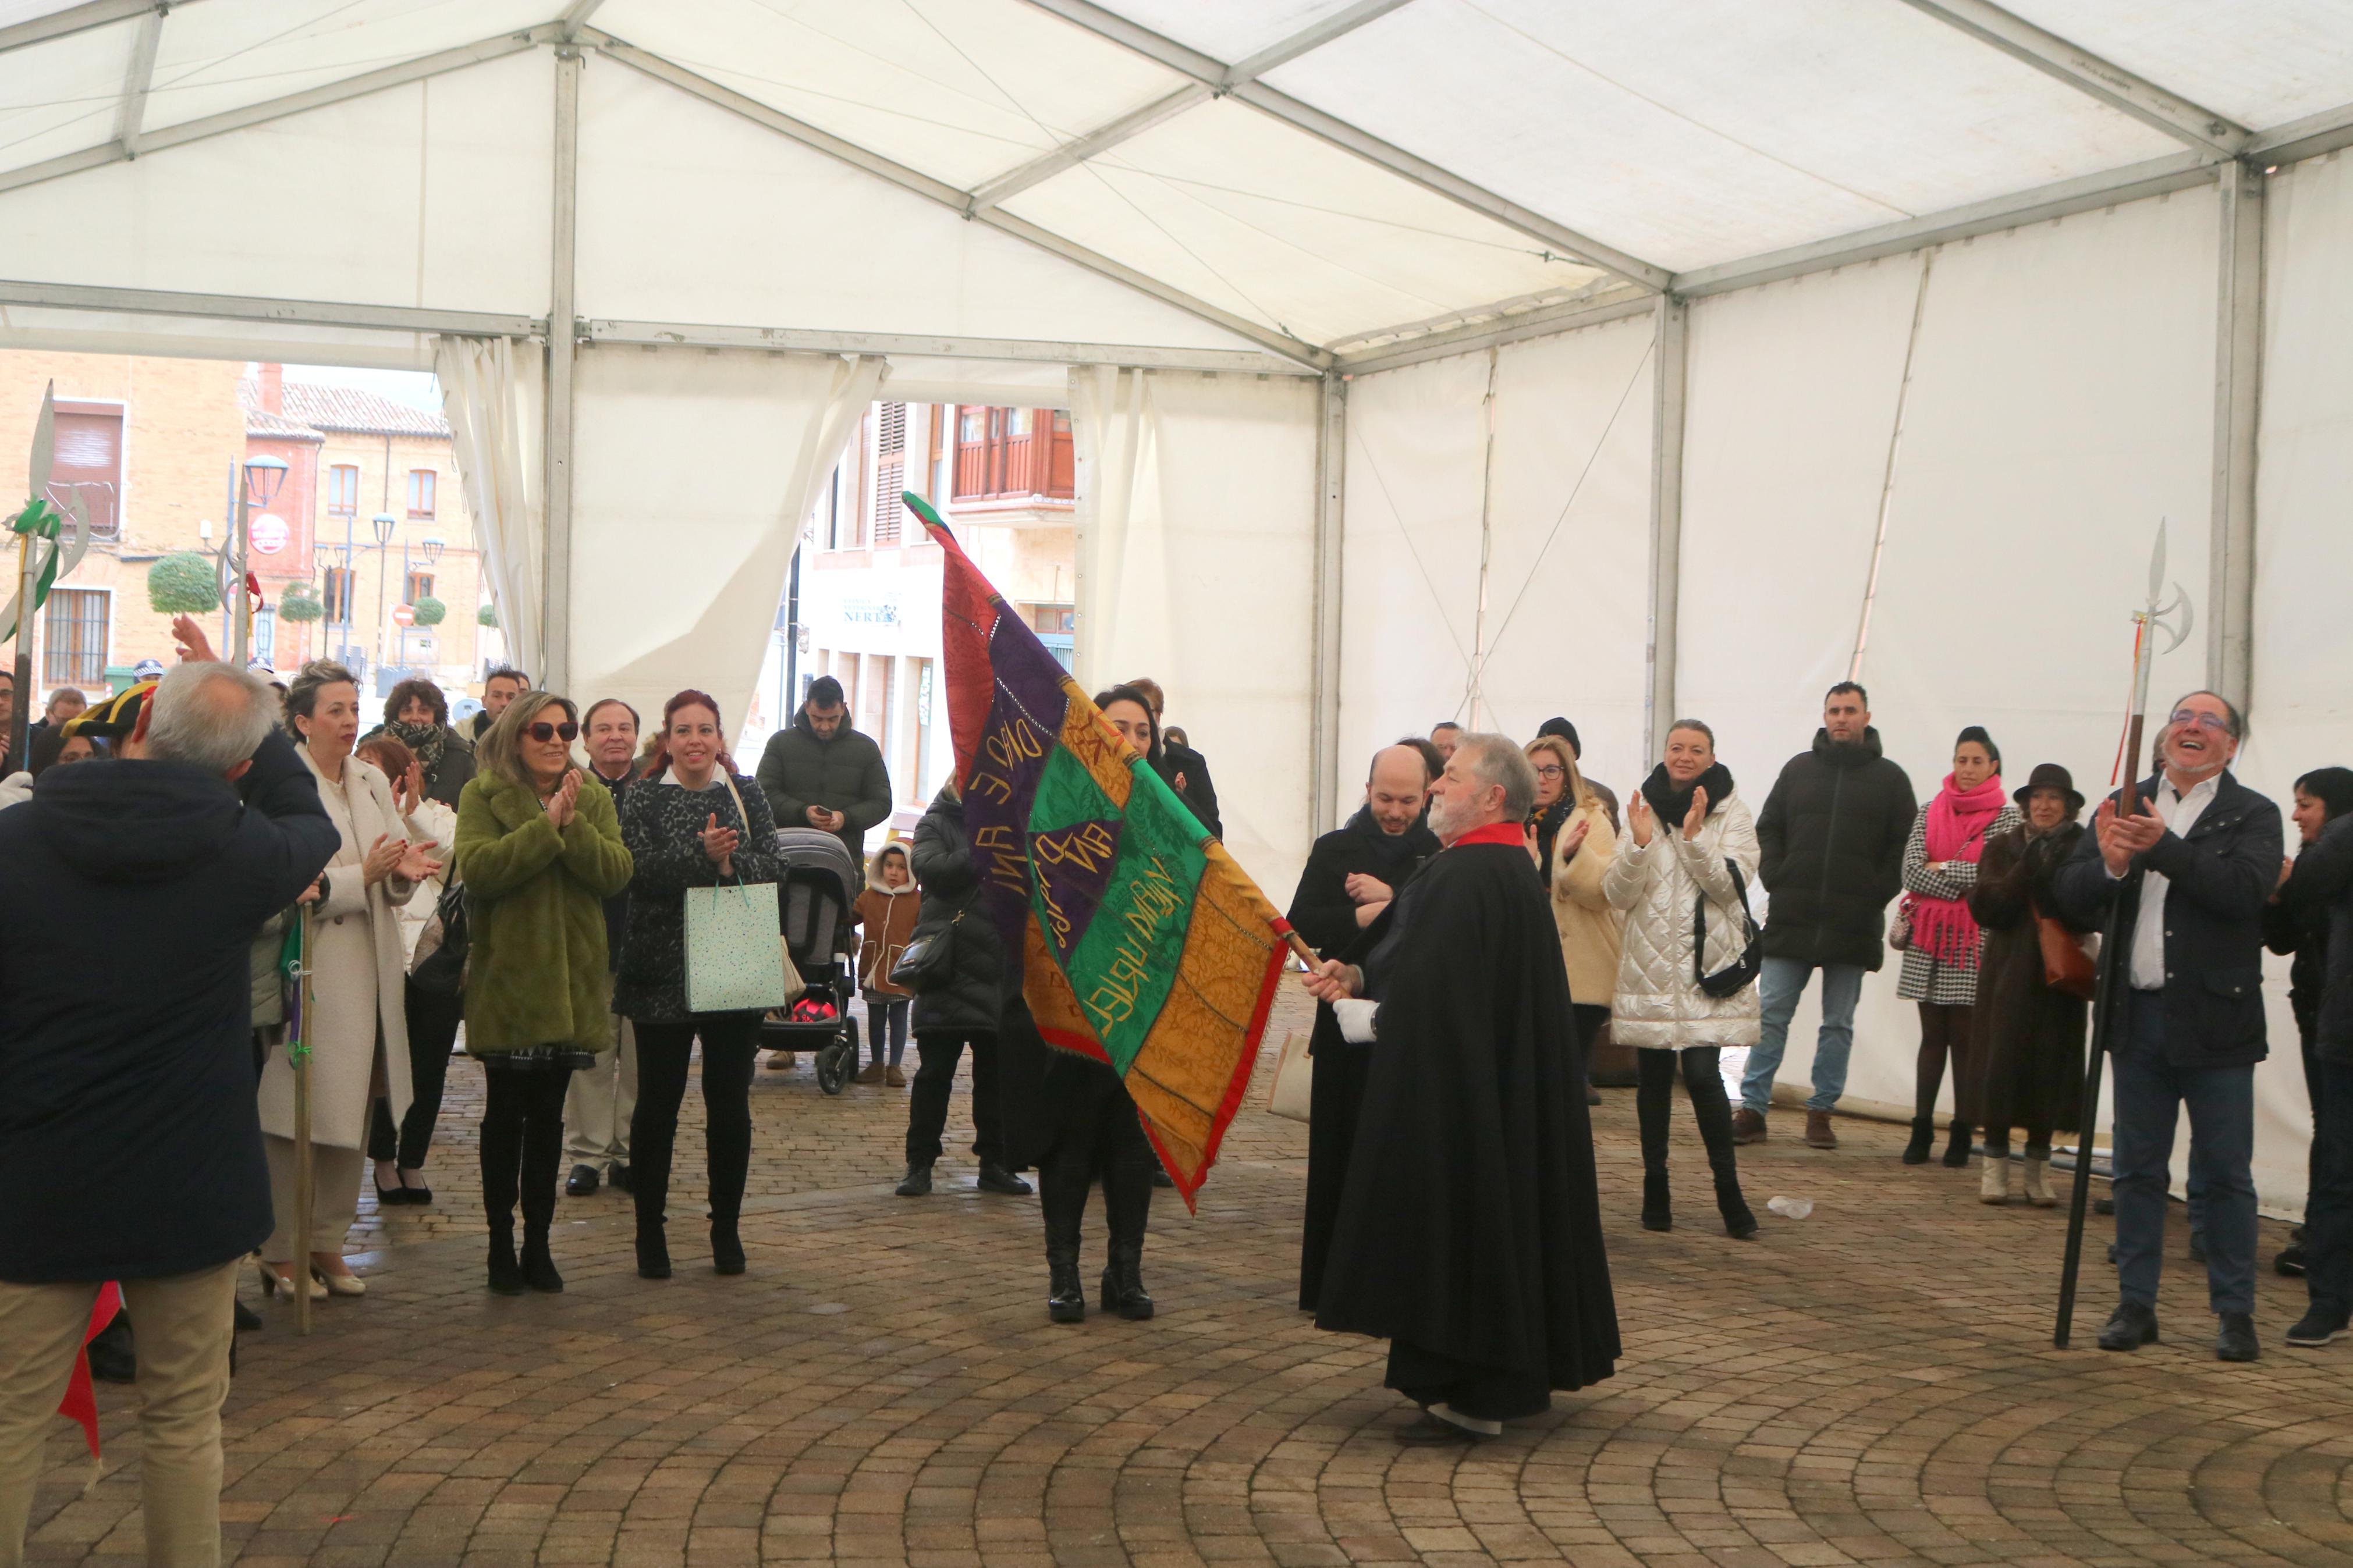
539,849
691,822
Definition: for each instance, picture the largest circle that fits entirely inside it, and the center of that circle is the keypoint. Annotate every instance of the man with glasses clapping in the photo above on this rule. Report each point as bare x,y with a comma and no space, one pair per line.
2190,872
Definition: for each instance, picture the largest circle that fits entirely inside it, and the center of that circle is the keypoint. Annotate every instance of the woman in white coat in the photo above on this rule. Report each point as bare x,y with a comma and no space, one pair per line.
358,1036
1684,831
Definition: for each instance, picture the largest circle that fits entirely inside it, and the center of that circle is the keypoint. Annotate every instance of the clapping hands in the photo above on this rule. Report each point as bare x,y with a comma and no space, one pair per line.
720,843
565,801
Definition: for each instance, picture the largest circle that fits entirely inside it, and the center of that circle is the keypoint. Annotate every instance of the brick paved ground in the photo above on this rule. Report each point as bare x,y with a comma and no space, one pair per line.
1872,1385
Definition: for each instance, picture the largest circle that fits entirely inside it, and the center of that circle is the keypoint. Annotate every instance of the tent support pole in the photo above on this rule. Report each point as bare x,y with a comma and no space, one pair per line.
1667,402
2238,393
1331,471
563,350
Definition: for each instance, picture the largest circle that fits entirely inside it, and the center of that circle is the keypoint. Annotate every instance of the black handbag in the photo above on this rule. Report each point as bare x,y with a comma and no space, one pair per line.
928,960
443,973
1741,972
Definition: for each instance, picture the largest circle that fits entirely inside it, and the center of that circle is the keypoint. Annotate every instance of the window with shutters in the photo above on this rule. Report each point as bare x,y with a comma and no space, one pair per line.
342,491
337,593
1005,454
75,631
422,482
88,468
889,473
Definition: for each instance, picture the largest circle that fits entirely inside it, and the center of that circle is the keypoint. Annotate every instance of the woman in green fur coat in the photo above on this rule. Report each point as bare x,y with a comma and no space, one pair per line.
539,847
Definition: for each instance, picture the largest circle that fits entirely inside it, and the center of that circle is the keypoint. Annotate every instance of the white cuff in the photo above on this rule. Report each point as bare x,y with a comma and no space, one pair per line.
1355,1015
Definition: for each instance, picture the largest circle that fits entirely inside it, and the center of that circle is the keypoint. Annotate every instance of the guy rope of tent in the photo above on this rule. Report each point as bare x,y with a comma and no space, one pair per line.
1136,939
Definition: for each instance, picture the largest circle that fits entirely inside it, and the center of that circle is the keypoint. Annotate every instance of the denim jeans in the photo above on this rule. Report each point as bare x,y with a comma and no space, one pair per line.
1783,982
2149,1094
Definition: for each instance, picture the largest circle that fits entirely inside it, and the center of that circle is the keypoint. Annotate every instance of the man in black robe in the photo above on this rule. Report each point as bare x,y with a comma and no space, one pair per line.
1469,1234
1352,875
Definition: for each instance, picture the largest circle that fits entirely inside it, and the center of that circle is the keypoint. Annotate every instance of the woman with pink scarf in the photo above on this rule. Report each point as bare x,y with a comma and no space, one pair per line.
1940,955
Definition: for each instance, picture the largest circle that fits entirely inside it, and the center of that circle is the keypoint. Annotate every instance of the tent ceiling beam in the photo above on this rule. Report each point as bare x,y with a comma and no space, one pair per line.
1476,337
78,19
1135,123
2086,72
1071,153
279,108
1348,138
2315,136
576,16
947,195
287,312
2177,172
136,81
1030,351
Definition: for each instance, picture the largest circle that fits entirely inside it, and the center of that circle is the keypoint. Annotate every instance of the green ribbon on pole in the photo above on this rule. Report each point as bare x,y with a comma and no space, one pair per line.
290,962
41,520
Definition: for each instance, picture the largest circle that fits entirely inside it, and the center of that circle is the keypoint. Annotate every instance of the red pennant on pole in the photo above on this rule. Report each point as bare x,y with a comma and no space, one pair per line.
80,1404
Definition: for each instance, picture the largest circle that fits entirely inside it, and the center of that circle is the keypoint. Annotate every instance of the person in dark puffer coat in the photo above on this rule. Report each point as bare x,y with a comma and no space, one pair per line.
959,1009
1832,832
822,773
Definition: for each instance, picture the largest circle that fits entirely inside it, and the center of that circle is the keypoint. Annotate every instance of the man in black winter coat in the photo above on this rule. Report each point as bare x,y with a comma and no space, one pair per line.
130,1142
1353,875
1180,767
2188,876
1832,833
820,772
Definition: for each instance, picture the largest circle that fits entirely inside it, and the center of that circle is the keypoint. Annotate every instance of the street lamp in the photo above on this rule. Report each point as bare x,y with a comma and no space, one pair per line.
384,522
428,551
262,477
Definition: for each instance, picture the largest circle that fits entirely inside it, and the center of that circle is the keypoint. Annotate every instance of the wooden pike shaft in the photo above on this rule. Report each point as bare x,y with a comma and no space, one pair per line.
20,722
304,1198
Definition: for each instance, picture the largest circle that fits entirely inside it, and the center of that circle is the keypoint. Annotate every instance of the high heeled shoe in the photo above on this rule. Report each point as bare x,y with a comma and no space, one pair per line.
390,1198
272,1282
339,1284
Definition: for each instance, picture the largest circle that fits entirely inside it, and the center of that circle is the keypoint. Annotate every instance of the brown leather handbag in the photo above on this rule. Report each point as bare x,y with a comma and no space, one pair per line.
2066,958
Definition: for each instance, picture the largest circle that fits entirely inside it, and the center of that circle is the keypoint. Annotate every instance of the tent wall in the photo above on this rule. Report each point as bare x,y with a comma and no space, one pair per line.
1197,568
1565,515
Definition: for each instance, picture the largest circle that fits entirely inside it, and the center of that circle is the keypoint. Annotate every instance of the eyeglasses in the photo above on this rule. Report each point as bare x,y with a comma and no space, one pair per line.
1552,771
544,731
2214,721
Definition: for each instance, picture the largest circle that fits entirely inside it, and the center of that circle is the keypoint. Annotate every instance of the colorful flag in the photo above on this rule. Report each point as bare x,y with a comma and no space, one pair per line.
1136,938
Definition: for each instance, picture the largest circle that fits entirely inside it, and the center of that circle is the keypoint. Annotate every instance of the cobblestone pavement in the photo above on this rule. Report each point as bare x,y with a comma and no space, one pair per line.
1873,1385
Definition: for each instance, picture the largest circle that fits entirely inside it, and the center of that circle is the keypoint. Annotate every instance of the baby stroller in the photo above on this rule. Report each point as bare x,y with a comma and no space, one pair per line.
820,883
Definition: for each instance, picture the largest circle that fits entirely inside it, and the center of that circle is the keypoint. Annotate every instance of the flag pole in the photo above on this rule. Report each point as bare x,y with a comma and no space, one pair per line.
304,1195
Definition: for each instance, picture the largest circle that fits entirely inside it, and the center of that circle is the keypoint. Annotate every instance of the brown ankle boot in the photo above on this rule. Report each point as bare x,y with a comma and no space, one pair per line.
1818,1131
1748,1126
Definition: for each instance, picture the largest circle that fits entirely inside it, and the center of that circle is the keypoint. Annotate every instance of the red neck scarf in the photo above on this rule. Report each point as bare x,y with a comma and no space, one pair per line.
1958,820
1510,833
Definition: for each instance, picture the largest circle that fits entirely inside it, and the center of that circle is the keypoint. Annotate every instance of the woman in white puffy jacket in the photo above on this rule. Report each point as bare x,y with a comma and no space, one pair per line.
1684,831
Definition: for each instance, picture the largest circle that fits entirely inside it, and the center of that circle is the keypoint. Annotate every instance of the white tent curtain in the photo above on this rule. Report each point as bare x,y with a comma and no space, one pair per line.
1181,478
692,477
491,395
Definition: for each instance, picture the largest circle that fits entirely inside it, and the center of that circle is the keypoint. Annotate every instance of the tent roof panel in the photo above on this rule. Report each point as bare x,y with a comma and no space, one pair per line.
961,92
2261,62
690,214
1714,128
224,56
63,95
1285,230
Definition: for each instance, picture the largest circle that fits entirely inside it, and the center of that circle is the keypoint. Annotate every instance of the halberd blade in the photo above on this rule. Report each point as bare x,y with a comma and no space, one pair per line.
45,442
2156,568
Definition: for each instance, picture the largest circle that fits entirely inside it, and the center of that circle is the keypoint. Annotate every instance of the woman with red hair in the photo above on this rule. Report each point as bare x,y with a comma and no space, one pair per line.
692,822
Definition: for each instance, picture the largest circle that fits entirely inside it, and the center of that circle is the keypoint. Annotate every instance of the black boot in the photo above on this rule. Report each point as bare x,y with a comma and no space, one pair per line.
653,1251
1924,1141
1956,1152
1712,1111
1127,1207
1658,1208
538,1267
506,1276
1062,1201
726,1249
1739,1222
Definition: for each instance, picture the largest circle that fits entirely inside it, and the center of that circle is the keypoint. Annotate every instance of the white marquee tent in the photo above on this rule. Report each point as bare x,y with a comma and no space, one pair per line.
1493,358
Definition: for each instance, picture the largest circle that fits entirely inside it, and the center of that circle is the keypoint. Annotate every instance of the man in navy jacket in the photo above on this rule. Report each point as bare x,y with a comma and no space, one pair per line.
2189,875
130,1148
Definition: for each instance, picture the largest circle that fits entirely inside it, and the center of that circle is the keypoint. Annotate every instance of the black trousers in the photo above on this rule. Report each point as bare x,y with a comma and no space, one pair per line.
523,1135
927,1100
1654,1098
433,1020
729,1041
1095,1133
1947,1031
1336,1095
